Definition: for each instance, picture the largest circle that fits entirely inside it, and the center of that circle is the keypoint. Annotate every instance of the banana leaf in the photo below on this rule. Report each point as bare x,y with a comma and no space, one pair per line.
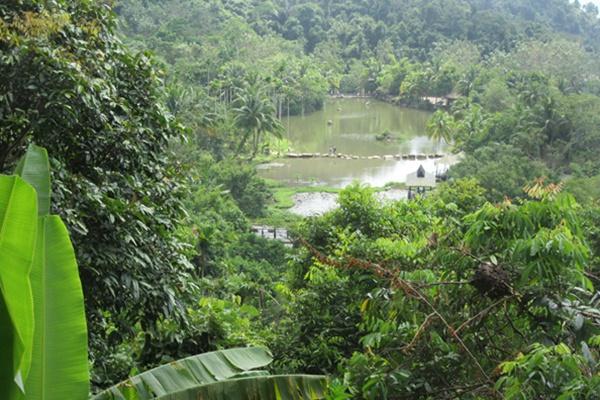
18,230
279,387
188,373
59,366
34,168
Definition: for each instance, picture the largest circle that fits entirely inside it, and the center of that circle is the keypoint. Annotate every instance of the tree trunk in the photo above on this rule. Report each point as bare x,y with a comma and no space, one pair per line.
288,118
242,143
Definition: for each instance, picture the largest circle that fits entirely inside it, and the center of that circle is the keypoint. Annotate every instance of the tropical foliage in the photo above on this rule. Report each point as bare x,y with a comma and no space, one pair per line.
485,288
437,301
19,227
255,115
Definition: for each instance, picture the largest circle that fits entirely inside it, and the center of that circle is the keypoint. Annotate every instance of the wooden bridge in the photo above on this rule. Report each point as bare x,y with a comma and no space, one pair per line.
272,233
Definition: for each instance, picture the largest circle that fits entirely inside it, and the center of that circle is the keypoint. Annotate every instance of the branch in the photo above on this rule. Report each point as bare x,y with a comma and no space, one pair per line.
428,320
467,253
426,285
398,283
512,325
483,312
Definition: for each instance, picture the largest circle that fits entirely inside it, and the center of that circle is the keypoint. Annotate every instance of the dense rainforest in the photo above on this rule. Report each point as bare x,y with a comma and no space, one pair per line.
131,137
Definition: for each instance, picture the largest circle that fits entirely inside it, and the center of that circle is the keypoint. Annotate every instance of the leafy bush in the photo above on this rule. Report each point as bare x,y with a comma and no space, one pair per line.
430,294
249,191
552,372
502,170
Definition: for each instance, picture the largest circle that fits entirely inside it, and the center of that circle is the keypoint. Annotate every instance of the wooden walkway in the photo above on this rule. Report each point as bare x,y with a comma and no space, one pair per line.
272,233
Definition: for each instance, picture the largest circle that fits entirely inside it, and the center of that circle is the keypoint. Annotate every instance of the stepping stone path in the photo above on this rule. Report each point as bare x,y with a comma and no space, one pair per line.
357,157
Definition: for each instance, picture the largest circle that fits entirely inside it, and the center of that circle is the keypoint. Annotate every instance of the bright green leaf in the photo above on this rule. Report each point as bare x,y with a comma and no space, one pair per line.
281,387
34,168
18,226
59,368
190,372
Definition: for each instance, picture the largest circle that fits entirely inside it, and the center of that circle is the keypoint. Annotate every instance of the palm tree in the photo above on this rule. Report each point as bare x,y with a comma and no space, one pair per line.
255,115
178,98
440,127
466,84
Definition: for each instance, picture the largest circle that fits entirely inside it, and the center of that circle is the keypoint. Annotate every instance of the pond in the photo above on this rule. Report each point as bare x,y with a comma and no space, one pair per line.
351,126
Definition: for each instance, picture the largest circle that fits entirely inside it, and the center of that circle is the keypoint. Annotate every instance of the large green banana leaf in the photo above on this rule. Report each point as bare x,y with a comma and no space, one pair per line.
59,366
34,168
282,387
18,226
188,373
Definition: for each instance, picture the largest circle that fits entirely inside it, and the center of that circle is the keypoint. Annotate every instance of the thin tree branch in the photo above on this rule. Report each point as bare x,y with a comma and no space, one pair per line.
449,283
428,320
512,325
483,312
396,282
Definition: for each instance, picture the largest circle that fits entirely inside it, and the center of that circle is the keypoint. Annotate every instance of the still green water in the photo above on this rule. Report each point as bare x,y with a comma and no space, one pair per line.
350,125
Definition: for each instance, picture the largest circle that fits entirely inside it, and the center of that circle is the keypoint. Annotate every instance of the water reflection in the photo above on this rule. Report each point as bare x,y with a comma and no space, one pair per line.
351,125
341,173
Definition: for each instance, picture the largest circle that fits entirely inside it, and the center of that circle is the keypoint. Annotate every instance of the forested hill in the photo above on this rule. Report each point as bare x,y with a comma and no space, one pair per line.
508,59
361,29
301,50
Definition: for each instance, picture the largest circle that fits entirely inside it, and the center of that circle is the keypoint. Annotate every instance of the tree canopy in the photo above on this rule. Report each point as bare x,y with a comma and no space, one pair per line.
69,84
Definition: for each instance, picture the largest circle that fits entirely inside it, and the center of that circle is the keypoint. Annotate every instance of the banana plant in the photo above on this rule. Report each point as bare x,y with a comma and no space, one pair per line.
18,232
227,374
59,366
49,354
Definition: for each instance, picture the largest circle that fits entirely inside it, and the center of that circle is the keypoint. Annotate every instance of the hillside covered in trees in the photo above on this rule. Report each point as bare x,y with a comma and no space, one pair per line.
526,64
132,134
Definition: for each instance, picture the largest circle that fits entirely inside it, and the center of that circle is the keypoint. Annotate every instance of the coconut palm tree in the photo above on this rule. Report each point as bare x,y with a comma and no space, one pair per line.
466,84
440,127
255,115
